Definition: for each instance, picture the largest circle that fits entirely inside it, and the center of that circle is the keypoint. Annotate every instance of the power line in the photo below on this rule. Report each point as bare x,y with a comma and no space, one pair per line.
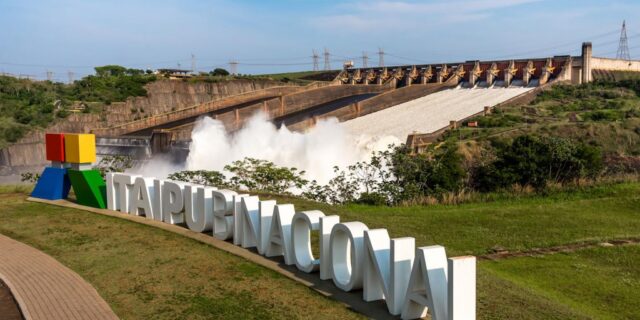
623,47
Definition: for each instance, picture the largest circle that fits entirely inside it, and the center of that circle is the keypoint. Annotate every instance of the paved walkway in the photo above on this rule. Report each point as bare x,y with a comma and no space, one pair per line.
44,288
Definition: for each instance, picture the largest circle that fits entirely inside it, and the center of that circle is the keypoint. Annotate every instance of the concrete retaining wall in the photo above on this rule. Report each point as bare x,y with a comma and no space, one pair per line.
296,102
615,64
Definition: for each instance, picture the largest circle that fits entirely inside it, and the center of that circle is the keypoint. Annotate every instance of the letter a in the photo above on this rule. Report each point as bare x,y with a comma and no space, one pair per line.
427,285
280,234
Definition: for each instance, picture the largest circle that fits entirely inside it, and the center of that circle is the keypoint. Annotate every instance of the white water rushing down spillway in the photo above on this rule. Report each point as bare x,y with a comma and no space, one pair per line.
432,112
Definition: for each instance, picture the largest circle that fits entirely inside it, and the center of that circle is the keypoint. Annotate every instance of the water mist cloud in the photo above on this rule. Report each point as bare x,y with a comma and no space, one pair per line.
316,151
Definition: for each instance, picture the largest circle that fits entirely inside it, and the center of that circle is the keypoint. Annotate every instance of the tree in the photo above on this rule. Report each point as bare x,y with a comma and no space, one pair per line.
219,72
110,70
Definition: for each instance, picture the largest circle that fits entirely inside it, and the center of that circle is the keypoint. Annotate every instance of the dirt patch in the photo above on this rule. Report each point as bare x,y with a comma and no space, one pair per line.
500,253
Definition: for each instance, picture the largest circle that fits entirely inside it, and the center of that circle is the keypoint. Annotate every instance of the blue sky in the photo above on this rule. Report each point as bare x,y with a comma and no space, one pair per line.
278,36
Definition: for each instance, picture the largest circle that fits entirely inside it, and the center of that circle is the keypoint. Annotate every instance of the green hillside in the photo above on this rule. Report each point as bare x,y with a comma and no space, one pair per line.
26,104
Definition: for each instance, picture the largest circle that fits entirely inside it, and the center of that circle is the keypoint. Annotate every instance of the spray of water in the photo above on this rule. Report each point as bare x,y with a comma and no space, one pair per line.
315,151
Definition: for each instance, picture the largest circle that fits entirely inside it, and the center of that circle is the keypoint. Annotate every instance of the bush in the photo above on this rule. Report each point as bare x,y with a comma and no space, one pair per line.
29,177
530,161
113,164
262,175
601,115
219,72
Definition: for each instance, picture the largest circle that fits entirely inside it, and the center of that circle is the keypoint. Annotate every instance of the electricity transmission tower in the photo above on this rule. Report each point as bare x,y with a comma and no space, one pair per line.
233,67
316,60
380,57
193,63
623,47
49,75
327,61
70,74
365,60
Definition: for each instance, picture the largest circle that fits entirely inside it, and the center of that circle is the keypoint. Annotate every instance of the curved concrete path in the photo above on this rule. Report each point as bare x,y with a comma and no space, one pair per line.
44,288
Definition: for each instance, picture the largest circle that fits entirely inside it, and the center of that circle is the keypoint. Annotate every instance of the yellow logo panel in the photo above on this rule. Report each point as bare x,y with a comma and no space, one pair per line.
80,147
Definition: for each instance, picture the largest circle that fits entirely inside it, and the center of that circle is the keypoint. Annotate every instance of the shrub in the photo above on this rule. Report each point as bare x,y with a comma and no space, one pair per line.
113,164
535,162
262,175
601,115
29,177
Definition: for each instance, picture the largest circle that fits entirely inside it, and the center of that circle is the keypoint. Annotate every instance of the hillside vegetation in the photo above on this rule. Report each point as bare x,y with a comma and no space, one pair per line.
603,114
26,104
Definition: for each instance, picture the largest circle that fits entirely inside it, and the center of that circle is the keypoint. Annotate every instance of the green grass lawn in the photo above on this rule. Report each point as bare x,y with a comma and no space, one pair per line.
144,272
590,215
603,283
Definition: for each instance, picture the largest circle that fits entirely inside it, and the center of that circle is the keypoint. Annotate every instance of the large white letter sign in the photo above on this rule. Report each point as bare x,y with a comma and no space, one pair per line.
412,282
266,216
387,268
250,221
427,285
347,254
462,288
303,223
223,214
172,202
198,208
280,234
140,198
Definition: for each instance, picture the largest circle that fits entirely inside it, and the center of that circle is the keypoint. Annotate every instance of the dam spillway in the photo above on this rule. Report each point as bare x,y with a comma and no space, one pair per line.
432,112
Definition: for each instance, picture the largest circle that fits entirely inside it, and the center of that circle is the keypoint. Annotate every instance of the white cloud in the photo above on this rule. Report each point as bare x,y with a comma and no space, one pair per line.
399,15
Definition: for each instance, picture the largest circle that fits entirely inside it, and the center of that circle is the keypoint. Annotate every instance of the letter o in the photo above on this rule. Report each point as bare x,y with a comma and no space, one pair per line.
347,254
301,226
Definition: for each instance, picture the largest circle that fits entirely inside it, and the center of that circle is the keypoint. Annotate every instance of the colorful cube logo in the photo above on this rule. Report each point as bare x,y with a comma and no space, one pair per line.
75,150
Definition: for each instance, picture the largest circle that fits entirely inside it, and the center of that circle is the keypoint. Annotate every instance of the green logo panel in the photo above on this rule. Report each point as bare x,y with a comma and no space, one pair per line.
89,188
